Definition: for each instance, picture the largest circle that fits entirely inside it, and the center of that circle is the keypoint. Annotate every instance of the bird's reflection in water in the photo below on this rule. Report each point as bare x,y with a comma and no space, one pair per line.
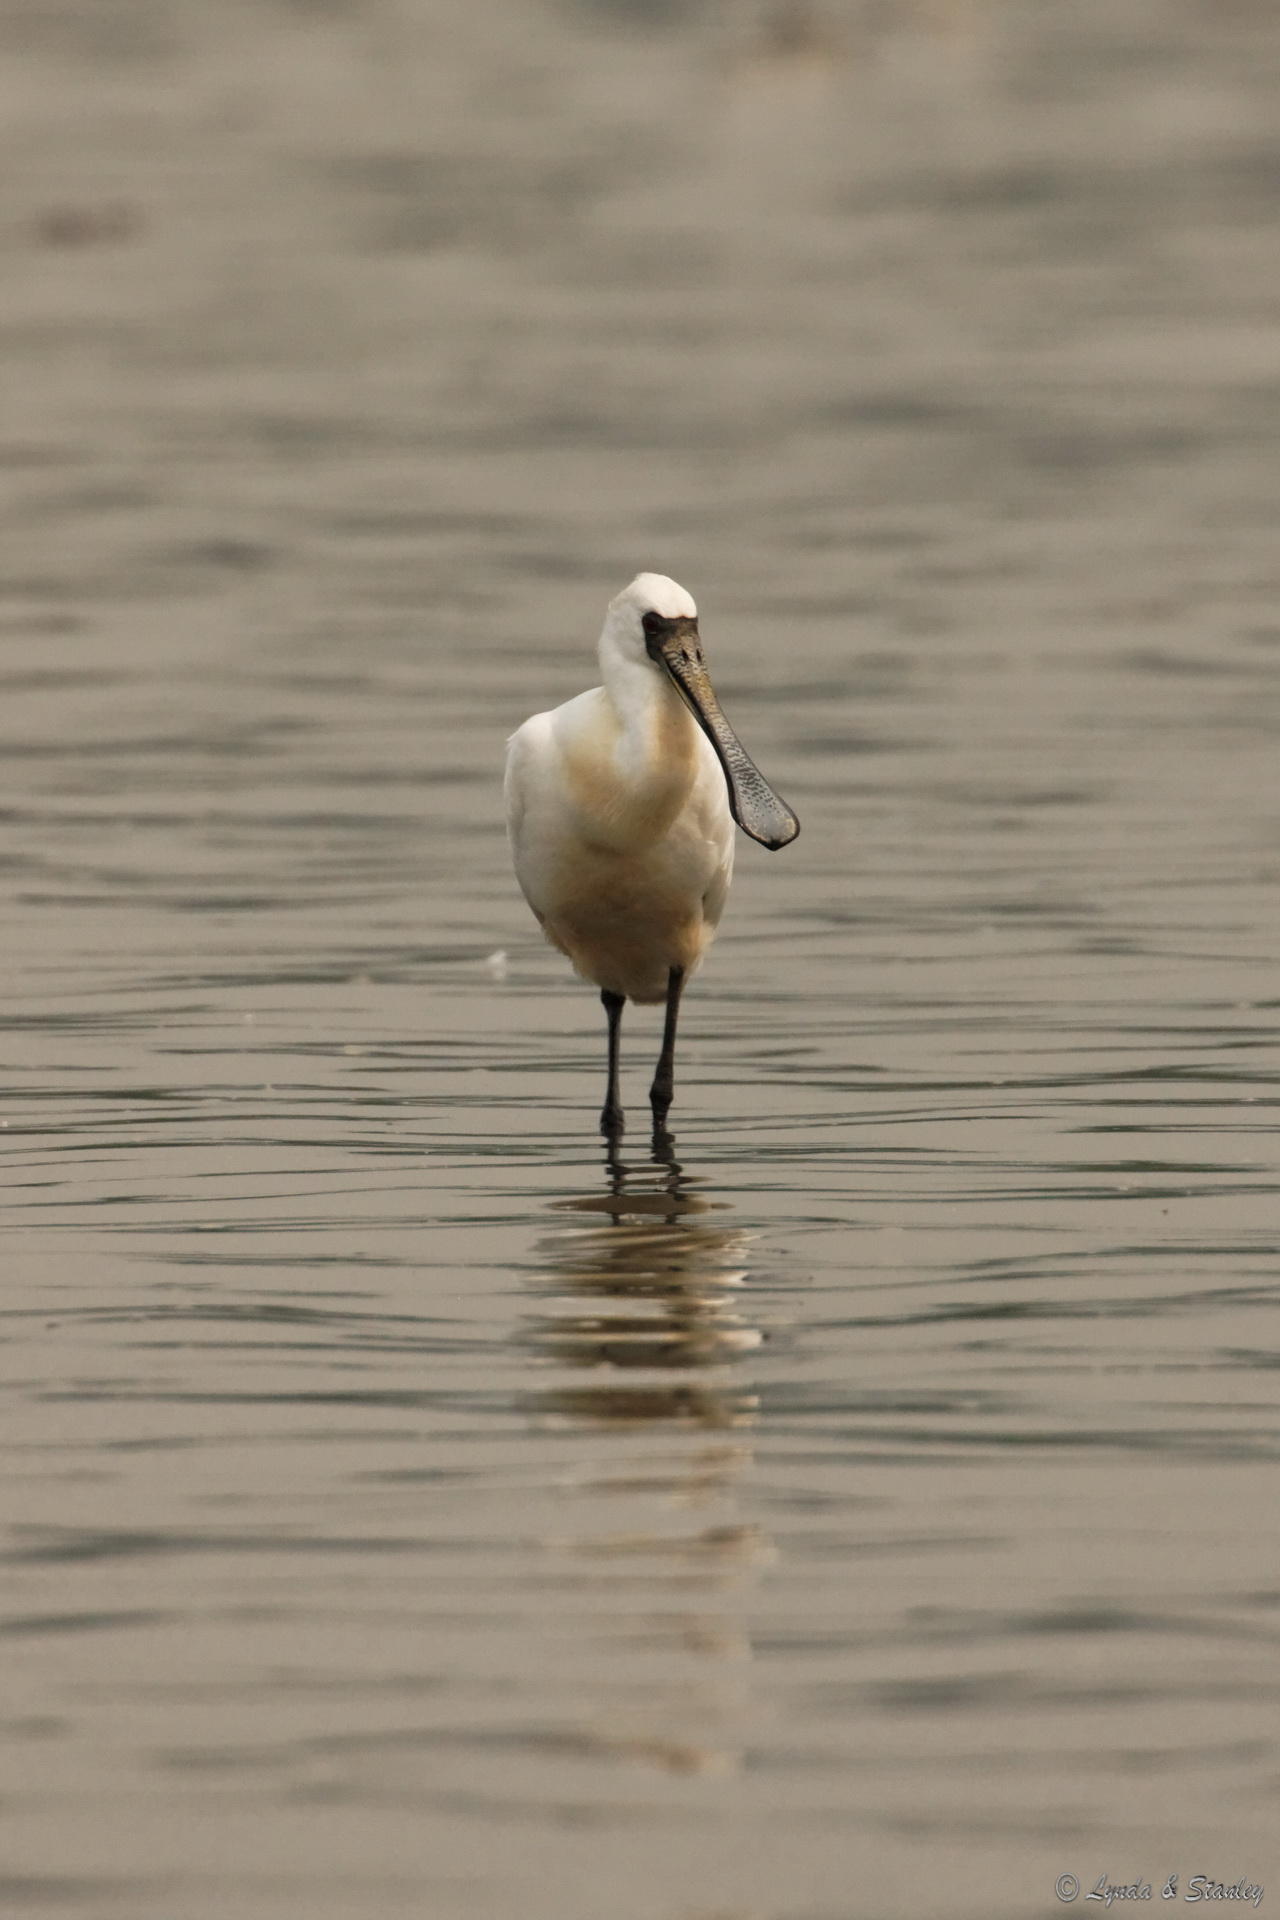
642,1287
652,1277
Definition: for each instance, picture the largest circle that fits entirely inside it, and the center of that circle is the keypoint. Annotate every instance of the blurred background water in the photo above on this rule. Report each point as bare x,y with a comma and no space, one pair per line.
866,1508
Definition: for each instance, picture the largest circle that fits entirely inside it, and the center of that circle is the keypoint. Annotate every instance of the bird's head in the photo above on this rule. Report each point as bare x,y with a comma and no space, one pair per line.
649,603
653,623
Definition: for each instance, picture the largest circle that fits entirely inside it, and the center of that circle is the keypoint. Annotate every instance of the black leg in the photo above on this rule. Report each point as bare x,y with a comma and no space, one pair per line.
664,1080
611,1120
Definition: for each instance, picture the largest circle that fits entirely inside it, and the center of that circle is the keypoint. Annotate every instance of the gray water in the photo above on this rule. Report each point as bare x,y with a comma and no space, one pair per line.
866,1508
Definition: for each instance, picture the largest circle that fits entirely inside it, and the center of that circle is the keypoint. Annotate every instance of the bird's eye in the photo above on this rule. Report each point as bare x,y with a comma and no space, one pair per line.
652,622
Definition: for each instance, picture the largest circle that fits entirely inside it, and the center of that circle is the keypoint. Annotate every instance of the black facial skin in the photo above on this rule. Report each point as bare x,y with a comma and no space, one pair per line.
661,632
675,644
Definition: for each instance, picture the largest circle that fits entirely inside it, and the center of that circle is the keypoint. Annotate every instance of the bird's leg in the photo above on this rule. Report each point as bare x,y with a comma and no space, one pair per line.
664,1080
611,1121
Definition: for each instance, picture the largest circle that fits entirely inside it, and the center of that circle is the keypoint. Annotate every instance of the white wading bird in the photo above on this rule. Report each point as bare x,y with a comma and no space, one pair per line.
620,809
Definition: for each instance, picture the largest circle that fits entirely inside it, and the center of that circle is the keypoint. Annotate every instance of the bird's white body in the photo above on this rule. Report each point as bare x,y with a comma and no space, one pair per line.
619,816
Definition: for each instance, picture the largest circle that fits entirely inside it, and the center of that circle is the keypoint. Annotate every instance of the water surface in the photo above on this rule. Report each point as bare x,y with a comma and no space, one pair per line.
862,1505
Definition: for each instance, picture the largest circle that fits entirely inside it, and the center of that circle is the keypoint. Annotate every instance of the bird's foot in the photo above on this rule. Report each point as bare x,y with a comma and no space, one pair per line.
612,1122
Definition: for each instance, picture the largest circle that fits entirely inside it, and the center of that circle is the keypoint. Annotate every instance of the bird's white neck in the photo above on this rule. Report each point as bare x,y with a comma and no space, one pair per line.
655,751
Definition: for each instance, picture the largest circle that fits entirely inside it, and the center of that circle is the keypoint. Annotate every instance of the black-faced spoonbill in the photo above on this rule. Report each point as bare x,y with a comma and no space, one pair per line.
620,809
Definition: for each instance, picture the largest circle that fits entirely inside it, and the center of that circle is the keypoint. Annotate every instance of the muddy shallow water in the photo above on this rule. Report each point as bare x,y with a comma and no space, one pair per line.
864,1506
